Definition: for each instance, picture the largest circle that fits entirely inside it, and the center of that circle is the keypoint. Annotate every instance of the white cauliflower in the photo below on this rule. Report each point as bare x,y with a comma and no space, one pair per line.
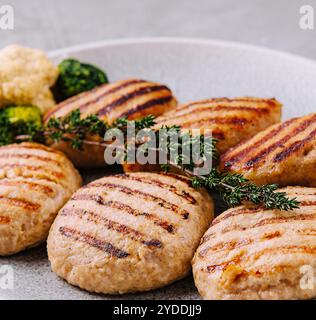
26,76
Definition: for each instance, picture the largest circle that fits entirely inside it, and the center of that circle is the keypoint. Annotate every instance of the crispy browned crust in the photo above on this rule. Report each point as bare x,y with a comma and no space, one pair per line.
138,231
284,154
35,181
253,253
132,98
230,121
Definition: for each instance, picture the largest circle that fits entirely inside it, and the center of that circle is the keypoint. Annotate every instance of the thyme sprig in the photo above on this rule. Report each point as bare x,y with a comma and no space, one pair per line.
233,188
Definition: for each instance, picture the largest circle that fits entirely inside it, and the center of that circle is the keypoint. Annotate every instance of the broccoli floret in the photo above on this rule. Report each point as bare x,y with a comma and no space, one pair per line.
18,120
23,114
76,77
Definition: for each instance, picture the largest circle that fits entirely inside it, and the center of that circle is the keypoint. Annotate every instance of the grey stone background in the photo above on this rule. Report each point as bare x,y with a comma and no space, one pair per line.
52,24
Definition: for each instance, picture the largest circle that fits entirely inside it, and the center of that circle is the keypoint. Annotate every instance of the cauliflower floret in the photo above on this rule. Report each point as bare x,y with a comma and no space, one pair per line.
26,76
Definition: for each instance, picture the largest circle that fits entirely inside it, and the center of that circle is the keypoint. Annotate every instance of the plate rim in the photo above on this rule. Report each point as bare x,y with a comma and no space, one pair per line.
182,40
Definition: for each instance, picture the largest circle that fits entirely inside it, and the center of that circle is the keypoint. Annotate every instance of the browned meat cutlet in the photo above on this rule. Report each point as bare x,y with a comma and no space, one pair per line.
284,154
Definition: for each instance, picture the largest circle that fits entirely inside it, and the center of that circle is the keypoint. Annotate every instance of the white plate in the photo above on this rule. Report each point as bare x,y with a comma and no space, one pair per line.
193,69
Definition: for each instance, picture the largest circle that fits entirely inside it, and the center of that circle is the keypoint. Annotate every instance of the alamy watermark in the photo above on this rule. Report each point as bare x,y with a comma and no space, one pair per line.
163,146
6,17
306,21
6,277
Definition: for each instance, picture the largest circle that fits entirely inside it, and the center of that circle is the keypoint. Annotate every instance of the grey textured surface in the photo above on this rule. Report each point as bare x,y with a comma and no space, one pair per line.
194,70
51,24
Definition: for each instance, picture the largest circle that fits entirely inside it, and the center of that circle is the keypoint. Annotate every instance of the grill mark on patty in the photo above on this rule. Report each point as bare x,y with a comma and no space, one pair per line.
112,225
93,242
256,255
230,160
255,160
72,100
126,208
256,110
236,212
294,147
253,210
271,102
56,174
224,246
19,202
183,194
31,185
219,120
147,105
218,134
5,220
146,196
28,156
298,192
307,232
31,146
269,221
101,95
187,181
234,244
129,96
111,91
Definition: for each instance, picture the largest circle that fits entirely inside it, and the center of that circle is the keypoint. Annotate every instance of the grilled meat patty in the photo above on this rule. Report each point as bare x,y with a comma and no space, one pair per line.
230,120
252,253
35,182
284,154
132,98
129,232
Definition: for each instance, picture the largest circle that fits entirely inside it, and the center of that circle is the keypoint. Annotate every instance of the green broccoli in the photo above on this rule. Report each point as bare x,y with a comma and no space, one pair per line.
76,77
23,113
18,120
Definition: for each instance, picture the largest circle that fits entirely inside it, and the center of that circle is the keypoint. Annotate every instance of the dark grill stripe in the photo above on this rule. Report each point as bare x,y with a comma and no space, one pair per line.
183,194
294,147
177,177
28,156
72,100
307,232
29,146
129,96
255,160
125,208
157,221
301,192
83,106
111,91
31,185
18,202
230,159
146,196
219,120
269,221
146,105
224,246
218,134
271,102
209,109
93,242
5,220
256,255
43,170
236,212
243,211
112,225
